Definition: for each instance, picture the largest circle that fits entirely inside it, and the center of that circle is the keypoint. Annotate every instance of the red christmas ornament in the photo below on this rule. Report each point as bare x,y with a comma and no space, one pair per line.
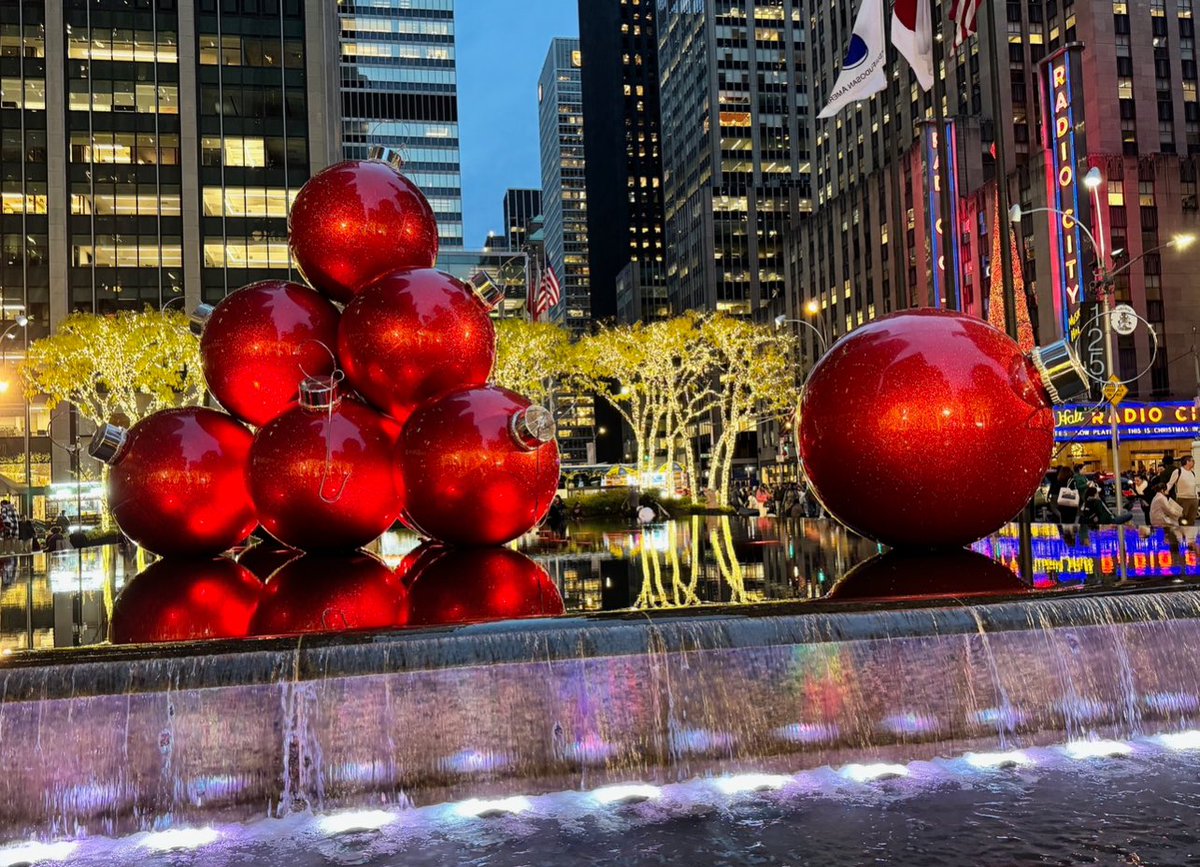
474,585
415,334
178,481
358,220
186,600
929,428
956,573
322,475
331,594
478,466
261,342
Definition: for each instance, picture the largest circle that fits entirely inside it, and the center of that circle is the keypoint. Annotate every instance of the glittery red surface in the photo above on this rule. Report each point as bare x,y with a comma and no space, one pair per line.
356,221
331,594
465,482
475,585
314,505
186,600
413,335
925,429
260,341
179,485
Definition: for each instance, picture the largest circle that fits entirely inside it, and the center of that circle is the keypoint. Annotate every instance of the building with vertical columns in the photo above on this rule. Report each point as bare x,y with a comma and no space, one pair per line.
735,117
399,84
521,208
147,154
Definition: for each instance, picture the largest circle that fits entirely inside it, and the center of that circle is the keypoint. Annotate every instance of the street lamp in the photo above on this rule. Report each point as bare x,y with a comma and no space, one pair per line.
782,320
10,333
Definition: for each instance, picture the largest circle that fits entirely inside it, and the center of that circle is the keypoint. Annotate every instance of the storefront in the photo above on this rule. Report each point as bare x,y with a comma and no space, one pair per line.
1148,433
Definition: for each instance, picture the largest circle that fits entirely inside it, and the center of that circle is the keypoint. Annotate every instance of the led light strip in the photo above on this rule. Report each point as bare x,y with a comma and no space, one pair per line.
616,796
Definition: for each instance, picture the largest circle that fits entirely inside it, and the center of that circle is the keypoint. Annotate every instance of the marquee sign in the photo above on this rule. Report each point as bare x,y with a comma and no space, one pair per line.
1139,421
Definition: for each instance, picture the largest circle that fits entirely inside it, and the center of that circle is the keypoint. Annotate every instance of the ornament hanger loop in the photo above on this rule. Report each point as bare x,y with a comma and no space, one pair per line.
337,374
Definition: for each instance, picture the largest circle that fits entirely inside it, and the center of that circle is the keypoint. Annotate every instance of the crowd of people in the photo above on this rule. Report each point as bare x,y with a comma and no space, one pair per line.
1166,494
15,527
785,500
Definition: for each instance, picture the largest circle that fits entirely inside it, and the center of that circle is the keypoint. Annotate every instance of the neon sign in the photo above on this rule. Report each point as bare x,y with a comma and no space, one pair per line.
1146,421
1062,137
937,220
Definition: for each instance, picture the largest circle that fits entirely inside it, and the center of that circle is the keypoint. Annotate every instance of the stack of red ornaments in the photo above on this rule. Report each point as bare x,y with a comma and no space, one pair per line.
353,402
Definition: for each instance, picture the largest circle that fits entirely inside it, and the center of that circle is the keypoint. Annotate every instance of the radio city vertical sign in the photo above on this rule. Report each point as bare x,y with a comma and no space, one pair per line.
943,228
1063,139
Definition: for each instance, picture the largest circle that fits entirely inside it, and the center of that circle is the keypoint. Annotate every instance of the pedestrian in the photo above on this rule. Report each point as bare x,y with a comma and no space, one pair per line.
1182,489
10,519
63,522
1164,512
1141,491
56,540
557,518
1064,496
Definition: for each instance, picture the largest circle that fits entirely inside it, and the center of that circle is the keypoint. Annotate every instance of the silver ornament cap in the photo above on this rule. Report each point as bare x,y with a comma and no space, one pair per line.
532,427
320,393
384,154
199,318
1062,374
107,443
486,290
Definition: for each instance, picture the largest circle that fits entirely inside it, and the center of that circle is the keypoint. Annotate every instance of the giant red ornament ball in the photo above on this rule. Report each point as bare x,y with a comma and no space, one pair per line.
331,594
261,342
322,475
955,574
356,221
177,485
930,428
412,335
476,585
186,600
478,466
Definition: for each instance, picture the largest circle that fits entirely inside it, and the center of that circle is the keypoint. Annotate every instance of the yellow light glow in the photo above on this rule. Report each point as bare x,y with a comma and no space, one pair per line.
1182,242
812,308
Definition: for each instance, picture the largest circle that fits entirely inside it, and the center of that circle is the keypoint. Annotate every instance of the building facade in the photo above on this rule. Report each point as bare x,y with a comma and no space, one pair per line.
564,209
400,89
147,156
622,137
1085,85
521,208
735,115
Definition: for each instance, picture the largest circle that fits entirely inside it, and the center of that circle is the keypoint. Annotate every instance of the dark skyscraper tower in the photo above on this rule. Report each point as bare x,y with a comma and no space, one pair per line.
521,207
619,42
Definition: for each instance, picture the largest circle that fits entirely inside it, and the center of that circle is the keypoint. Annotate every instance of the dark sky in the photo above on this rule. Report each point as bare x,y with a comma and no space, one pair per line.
501,47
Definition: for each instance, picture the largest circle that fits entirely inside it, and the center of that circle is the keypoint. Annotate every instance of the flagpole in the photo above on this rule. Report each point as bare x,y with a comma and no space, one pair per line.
993,46
949,232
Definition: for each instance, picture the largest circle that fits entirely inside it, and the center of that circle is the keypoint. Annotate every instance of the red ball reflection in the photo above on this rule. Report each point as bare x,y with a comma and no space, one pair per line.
325,482
356,221
465,479
178,485
331,594
925,429
925,575
260,341
186,600
472,585
412,335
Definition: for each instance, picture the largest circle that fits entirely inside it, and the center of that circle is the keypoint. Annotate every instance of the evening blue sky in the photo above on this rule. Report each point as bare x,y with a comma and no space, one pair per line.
501,47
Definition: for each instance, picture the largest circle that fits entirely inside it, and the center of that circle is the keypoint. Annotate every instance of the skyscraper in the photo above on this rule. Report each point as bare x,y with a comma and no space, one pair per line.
521,207
147,154
735,104
619,41
564,208
400,89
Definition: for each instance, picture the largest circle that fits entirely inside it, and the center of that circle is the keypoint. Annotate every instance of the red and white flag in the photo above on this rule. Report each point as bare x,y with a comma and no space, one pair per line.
912,34
549,292
965,15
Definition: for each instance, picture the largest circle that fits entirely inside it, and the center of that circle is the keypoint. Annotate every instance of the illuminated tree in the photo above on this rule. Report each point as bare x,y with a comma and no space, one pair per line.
121,367
996,315
532,357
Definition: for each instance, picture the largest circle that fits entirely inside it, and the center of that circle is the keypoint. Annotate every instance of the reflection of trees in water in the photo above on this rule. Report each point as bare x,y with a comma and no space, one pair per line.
684,576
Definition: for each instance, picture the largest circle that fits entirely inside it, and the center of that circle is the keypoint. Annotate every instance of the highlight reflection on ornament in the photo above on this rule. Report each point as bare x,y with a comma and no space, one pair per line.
930,428
343,593
473,585
955,573
186,600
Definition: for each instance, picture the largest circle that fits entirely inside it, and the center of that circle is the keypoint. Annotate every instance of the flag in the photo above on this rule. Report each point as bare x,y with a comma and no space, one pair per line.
549,291
964,14
864,70
912,34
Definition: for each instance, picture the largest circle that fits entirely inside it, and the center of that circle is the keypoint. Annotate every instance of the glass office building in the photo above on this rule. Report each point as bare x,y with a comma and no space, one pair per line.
400,89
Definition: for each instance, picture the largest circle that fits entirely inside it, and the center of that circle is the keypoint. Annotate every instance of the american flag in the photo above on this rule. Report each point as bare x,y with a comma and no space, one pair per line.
964,14
549,292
